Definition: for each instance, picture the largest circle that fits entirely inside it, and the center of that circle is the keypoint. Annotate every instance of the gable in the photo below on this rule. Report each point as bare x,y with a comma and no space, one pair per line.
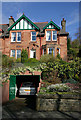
51,25
23,23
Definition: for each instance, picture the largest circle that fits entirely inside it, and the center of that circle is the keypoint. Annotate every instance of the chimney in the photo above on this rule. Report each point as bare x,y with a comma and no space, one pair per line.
63,24
11,21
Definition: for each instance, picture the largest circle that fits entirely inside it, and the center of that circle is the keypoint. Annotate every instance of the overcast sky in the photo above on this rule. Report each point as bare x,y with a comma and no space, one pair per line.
44,11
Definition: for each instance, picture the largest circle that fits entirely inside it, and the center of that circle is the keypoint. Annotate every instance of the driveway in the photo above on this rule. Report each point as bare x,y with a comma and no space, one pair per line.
21,108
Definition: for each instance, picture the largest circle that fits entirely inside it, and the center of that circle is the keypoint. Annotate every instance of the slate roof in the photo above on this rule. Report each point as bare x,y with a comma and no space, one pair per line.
62,32
4,29
41,25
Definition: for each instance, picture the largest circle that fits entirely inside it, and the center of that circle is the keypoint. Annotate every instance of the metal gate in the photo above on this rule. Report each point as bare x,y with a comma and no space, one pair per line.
12,87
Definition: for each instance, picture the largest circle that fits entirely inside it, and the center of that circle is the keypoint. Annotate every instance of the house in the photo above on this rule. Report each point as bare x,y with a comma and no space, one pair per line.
38,38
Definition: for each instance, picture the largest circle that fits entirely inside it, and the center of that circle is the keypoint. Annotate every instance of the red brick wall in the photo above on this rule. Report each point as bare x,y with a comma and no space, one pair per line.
26,42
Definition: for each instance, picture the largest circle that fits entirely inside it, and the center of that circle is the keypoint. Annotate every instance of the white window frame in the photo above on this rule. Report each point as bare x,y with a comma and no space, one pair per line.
16,53
59,51
33,35
11,37
17,37
32,51
53,51
11,53
56,36
46,35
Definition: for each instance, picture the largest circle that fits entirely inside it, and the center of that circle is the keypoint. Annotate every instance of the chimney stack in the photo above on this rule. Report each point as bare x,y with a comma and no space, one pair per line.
63,24
11,21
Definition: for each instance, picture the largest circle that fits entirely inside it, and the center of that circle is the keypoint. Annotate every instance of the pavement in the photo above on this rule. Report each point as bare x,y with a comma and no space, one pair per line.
24,108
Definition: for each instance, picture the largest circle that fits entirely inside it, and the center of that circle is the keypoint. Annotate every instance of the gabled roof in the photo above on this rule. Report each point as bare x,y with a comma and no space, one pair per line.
51,22
23,16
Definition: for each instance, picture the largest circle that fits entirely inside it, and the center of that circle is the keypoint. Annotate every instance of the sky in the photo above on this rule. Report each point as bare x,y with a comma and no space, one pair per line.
43,12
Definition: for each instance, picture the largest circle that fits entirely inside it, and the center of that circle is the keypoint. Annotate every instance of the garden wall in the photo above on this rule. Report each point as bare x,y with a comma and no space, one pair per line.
56,102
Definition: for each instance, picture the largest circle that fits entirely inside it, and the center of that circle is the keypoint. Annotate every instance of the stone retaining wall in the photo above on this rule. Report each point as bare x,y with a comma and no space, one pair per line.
58,102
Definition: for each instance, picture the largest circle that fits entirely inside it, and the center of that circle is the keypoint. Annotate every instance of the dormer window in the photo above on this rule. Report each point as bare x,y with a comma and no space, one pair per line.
48,35
54,35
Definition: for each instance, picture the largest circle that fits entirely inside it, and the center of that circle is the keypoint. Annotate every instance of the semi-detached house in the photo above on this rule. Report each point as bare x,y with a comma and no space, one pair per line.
38,38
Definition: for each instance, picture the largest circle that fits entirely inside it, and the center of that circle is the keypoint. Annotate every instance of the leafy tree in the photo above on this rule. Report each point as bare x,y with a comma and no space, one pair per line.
24,55
68,43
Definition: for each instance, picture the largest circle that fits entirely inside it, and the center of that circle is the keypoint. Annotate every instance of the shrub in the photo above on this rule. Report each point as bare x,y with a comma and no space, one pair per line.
69,81
18,60
33,60
58,88
7,61
47,58
24,56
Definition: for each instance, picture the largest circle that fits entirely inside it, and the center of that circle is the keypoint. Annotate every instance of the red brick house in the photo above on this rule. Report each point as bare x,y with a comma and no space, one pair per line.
38,38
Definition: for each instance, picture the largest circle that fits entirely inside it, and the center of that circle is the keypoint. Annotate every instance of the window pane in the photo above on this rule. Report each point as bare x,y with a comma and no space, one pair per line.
19,36
51,51
33,33
13,36
12,53
33,37
18,53
54,35
48,35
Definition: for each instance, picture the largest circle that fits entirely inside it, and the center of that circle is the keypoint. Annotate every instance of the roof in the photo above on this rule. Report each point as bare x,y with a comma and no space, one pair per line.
4,27
41,25
62,32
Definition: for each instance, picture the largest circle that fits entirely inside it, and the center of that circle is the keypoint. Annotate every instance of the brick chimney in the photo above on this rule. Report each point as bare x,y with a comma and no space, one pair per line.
11,21
63,24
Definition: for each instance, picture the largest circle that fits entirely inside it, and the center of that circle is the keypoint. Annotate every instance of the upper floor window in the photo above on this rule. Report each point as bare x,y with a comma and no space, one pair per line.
48,35
18,36
54,35
13,36
18,54
12,53
33,36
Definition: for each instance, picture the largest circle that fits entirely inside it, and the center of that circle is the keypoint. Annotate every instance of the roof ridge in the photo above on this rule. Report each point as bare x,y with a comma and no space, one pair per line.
40,22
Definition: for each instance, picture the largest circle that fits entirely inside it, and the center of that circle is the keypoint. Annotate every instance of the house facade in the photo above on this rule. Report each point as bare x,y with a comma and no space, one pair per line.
38,38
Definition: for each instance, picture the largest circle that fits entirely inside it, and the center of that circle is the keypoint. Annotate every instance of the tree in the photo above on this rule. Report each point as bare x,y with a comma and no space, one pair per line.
68,43
24,55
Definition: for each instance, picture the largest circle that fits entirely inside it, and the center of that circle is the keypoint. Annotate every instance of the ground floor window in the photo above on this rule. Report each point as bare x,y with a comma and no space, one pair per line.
44,51
58,51
51,51
32,53
12,53
18,55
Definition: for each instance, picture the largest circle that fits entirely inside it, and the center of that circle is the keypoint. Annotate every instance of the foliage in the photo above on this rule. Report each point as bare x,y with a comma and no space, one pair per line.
18,60
70,81
64,70
7,62
75,43
80,51
33,60
47,58
58,87
24,55
58,56
68,43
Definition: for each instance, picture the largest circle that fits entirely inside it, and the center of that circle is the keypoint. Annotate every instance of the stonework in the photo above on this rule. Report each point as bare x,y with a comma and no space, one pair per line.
55,103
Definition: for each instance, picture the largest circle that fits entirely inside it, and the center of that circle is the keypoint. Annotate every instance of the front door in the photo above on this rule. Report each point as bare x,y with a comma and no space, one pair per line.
32,53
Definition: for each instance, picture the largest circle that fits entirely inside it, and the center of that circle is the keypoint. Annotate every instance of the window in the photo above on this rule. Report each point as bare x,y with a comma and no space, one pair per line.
33,36
58,51
13,36
32,53
54,35
51,51
48,35
18,36
12,53
44,51
18,55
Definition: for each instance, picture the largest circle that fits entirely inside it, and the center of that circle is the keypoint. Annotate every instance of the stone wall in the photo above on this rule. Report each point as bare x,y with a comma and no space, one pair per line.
58,102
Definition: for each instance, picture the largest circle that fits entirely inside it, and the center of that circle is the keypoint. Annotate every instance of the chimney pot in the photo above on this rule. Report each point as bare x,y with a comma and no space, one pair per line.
11,21
63,23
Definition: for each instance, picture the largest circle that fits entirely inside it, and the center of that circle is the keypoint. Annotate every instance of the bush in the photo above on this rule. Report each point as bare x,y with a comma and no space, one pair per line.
58,88
24,56
18,60
70,81
33,60
7,61
47,58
